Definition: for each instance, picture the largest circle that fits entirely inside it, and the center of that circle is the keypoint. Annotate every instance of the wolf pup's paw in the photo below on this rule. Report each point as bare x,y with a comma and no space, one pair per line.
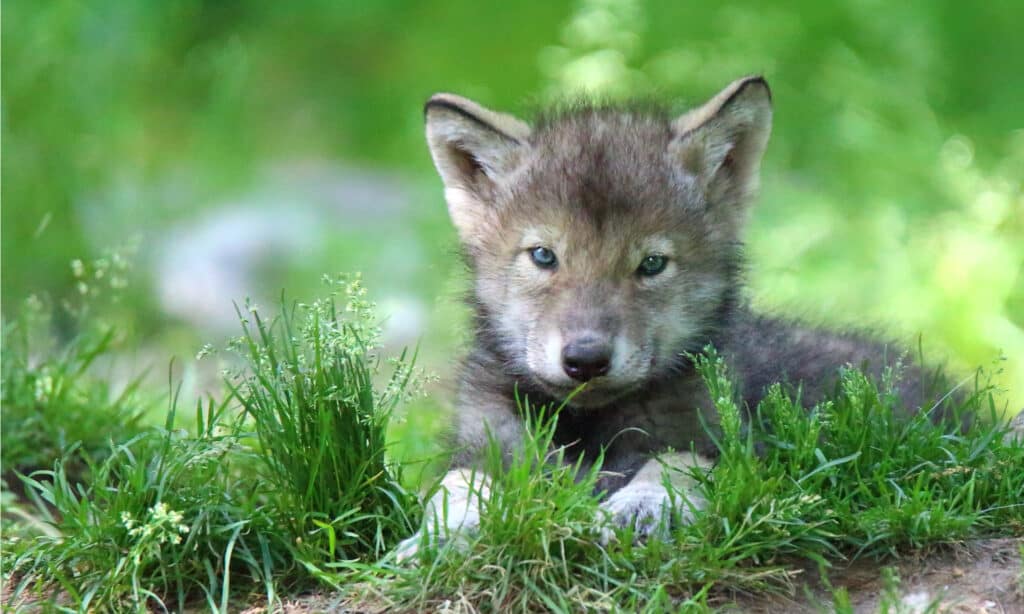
408,548
454,526
452,515
648,508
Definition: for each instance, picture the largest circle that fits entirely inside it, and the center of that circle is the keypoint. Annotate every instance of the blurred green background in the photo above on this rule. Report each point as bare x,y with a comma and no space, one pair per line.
246,148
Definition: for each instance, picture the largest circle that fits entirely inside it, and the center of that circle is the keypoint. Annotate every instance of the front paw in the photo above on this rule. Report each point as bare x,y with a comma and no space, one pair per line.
650,510
455,533
645,509
451,516
410,546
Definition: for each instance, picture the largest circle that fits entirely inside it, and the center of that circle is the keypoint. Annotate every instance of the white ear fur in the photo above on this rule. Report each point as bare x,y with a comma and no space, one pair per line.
720,144
474,149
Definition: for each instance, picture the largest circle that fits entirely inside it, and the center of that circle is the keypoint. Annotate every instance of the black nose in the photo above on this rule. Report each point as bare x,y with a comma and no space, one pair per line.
586,358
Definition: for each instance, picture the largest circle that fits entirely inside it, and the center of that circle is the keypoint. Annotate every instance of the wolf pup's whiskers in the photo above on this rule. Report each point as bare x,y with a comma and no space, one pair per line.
605,245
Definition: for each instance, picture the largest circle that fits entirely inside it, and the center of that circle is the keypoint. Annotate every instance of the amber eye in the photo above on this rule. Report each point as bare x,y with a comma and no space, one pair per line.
652,265
543,257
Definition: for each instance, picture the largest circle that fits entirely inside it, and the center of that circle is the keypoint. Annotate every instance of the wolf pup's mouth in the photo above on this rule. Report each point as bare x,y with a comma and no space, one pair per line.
592,394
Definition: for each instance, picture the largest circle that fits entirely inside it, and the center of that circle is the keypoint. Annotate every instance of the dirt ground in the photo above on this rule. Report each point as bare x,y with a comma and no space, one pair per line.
980,577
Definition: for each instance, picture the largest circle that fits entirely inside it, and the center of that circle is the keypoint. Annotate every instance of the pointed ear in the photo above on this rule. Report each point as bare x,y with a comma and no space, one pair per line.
720,144
474,149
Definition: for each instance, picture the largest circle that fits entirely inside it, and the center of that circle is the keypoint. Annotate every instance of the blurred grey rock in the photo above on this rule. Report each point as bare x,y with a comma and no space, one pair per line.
204,264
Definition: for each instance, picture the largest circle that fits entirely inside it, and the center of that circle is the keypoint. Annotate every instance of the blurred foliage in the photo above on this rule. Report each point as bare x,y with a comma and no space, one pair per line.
892,189
51,401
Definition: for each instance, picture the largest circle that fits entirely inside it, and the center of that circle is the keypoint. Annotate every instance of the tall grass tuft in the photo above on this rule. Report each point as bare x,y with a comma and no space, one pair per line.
321,423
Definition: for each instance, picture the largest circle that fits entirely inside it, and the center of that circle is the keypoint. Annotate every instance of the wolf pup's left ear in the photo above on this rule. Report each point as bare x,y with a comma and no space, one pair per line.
720,144
474,149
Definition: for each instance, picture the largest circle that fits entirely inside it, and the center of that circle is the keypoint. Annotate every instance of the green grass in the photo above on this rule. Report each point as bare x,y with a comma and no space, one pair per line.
51,397
165,519
536,540
287,483
847,479
282,480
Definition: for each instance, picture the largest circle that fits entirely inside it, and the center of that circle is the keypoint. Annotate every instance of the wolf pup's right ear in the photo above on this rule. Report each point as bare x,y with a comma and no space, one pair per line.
720,144
474,149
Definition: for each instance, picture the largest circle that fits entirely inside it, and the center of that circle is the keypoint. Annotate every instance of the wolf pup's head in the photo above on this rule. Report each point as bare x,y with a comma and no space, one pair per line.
604,241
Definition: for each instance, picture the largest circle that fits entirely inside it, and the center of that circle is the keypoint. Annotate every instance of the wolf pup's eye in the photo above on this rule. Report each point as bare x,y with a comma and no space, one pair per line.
543,257
652,265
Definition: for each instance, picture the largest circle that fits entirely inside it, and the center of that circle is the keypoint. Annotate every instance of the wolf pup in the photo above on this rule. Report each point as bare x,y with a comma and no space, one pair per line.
605,245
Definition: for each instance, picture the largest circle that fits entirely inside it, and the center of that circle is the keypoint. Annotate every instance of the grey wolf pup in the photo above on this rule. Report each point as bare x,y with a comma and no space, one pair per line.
605,245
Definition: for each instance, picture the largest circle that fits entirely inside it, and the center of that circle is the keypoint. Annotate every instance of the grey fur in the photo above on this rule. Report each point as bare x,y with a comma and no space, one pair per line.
603,187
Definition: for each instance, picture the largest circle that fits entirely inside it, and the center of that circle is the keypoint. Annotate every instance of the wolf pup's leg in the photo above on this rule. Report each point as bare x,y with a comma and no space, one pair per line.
646,504
452,513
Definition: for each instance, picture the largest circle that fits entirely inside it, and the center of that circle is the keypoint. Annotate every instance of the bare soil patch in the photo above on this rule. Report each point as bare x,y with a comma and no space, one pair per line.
978,577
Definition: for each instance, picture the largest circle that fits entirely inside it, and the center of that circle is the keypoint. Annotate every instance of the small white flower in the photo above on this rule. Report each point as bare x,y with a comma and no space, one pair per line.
205,351
810,499
44,388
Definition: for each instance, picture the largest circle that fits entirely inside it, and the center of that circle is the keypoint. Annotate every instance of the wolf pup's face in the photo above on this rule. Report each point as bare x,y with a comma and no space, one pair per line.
604,242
